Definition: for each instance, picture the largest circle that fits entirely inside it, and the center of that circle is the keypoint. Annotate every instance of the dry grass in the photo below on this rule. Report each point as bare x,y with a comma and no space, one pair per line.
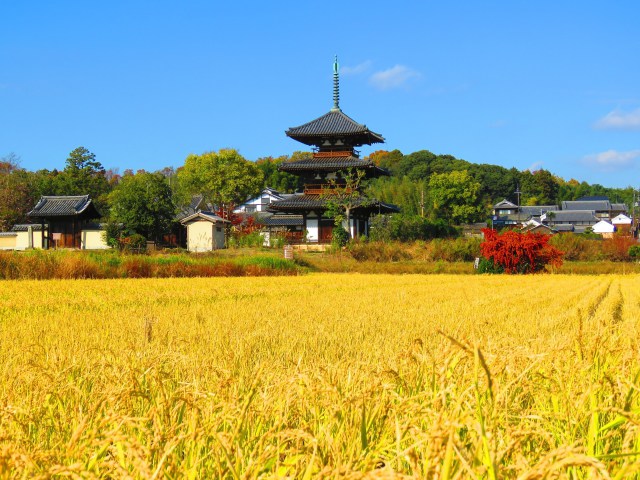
321,376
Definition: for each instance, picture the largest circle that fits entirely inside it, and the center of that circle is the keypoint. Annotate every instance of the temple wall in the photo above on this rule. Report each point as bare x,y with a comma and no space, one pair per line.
93,240
22,240
8,242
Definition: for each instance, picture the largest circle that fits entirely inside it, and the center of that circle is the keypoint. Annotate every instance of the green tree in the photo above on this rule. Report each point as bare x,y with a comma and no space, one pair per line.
82,175
342,197
224,178
144,204
281,181
454,196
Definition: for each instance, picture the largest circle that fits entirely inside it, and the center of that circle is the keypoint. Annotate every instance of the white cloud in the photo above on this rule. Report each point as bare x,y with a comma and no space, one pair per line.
612,159
357,69
618,120
393,77
535,166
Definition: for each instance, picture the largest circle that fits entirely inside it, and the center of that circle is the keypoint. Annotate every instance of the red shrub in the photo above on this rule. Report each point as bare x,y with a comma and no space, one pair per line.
519,252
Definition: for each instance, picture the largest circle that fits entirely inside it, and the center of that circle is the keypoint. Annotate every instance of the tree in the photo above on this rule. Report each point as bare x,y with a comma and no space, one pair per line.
144,204
282,181
341,198
15,192
455,197
82,175
515,252
224,178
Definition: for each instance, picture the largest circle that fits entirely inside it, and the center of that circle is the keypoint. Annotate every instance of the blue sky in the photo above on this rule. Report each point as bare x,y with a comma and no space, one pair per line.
546,84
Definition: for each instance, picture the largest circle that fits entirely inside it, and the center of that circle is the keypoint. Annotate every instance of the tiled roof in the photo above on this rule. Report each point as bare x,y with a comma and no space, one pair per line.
296,202
334,124
23,227
538,210
568,216
64,206
208,216
505,204
330,164
592,198
563,227
597,205
619,207
282,220
304,202
8,234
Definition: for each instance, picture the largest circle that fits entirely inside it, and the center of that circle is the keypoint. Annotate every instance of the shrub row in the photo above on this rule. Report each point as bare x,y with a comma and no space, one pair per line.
583,248
448,250
462,249
44,265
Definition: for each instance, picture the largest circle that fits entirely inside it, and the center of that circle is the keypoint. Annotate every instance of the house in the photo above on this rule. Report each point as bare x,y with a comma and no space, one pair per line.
576,221
261,202
508,214
601,206
534,226
622,223
604,228
205,231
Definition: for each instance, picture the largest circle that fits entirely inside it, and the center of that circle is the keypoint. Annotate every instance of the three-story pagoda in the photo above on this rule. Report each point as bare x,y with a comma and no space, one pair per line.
334,137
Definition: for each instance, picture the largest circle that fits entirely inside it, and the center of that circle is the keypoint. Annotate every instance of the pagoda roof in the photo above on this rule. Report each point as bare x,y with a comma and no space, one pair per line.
332,164
64,206
309,202
331,125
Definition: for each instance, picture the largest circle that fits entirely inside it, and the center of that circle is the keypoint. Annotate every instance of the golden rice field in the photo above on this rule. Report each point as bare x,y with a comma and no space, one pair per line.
321,376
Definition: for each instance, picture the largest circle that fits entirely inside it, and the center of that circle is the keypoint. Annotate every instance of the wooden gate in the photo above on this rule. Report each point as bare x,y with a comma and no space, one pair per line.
326,230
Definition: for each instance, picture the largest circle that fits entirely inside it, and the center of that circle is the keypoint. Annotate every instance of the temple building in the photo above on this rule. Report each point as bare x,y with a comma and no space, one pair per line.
334,167
64,220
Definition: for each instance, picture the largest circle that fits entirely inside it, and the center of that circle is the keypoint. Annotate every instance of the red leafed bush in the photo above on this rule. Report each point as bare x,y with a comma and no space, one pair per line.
516,252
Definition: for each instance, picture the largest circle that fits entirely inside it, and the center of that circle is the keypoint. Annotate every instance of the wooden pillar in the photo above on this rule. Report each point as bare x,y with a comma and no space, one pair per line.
304,227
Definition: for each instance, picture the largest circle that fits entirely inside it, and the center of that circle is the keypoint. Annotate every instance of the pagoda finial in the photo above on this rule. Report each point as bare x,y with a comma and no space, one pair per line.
336,86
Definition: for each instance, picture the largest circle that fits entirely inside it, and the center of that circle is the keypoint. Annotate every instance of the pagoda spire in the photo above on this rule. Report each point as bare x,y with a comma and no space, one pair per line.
336,87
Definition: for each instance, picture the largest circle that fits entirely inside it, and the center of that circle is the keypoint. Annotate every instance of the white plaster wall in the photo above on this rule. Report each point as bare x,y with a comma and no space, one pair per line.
312,229
200,236
93,240
8,242
22,240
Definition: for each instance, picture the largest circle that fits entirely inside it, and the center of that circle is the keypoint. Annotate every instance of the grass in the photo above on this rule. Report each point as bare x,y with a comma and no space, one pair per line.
321,376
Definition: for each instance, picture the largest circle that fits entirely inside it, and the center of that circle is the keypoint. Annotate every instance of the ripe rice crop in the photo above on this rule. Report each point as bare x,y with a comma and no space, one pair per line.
321,376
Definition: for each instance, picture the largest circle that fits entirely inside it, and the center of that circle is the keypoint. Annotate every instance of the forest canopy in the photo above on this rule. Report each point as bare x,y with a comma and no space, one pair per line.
422,183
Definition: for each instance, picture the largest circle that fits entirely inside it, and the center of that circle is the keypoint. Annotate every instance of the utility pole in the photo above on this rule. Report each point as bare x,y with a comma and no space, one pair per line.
422,202
634,204
518,192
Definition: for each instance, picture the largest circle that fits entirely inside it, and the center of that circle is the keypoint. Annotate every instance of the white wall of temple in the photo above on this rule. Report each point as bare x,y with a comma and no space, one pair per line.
313,233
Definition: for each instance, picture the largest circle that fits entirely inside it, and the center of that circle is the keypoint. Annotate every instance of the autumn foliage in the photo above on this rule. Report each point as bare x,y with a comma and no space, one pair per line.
516,252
